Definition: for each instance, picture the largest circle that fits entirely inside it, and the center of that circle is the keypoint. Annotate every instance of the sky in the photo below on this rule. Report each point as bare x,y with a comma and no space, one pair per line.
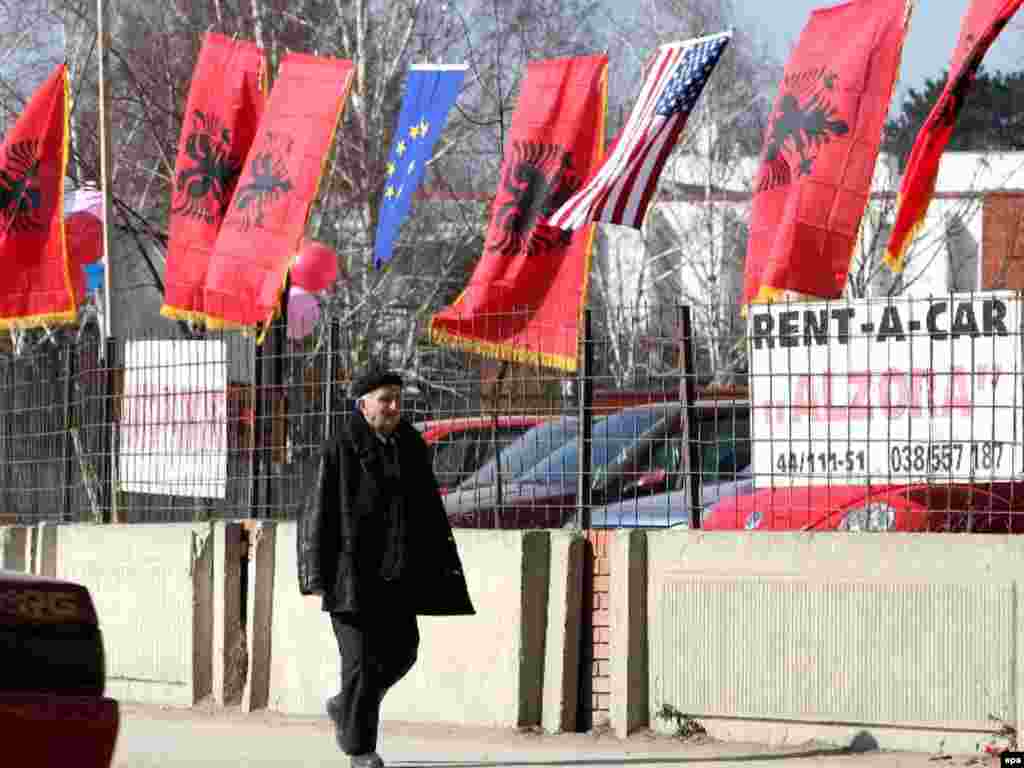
934,29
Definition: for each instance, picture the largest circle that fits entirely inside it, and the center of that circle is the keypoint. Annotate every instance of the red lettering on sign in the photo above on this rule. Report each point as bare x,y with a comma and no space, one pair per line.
890,394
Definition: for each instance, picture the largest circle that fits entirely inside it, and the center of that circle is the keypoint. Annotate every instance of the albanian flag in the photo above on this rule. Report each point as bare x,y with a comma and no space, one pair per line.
820,150
38,286
981,25
267,214
224,105
523,300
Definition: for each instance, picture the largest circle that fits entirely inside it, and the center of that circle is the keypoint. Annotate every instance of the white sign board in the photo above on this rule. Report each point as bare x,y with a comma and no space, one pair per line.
887,391
174,426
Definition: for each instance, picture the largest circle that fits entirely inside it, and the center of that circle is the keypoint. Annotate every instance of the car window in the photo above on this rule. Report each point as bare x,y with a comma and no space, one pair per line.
450,458
729,448
724,447
666,455
723,442
612,436
525,451
489,441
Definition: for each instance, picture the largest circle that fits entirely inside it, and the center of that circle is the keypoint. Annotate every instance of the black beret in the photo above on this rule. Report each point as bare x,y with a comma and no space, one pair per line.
371,379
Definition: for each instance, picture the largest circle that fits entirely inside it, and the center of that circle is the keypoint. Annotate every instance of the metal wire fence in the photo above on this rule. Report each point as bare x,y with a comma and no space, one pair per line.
897,414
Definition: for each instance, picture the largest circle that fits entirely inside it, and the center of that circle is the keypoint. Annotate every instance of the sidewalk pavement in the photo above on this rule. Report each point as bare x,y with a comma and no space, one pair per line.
205,737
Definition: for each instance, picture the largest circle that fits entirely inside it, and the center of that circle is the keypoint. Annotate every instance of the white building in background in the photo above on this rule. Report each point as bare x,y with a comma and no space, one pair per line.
947,254
693,247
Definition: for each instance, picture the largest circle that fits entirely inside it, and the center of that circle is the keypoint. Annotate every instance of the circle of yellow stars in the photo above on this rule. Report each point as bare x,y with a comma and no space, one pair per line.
416,131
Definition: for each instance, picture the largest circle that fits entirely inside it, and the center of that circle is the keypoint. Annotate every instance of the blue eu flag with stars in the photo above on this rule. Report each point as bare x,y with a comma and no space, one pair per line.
430,92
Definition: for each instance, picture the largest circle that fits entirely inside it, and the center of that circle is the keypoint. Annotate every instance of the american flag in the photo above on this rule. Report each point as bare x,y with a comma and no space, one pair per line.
621,190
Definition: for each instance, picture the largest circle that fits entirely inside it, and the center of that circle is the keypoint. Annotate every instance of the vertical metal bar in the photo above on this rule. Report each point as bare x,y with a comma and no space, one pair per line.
8,432
328,379
36,427
107,492
278,398
499,485
70,352
585,388
106,155
334,367
258,441
689,396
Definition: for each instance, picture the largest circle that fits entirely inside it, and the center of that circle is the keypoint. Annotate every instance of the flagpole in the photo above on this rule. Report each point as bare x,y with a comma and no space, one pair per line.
103,43
110,512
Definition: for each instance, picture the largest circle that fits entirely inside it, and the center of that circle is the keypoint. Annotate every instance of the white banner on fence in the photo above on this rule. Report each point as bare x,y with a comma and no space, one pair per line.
887,391
173,436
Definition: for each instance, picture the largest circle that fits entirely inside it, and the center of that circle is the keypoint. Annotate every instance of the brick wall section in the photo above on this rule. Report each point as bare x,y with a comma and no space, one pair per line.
595,657
1003,241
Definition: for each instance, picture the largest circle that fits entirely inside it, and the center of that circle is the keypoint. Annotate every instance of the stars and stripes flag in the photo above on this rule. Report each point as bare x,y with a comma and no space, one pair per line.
620,191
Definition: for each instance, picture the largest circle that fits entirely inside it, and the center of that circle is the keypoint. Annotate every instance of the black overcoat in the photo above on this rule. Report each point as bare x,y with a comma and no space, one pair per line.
336,555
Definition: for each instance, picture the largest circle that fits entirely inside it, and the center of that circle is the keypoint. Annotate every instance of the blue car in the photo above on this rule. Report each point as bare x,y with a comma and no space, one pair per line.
670,510
523,453
633,453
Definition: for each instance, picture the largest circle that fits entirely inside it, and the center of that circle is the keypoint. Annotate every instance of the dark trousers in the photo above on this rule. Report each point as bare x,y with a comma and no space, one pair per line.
376,652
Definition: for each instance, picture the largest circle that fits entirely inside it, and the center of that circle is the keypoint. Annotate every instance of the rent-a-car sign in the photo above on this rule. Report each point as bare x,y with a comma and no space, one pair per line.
887,390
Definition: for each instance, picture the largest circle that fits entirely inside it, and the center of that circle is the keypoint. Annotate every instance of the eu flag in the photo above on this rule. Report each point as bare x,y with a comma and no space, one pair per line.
430,92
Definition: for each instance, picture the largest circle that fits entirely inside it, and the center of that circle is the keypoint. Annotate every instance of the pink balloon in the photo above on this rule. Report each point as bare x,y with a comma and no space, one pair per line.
303,311
316,268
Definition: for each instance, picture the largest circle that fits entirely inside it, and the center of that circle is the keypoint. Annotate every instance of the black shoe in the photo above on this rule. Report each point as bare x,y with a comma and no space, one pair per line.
369,760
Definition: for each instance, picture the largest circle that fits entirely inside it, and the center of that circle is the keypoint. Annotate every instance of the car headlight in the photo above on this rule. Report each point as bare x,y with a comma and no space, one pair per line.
873,517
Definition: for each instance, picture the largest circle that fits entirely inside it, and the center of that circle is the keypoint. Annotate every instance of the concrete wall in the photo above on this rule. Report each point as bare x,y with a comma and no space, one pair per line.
562,647
262,542
304,666
486,669
782,637
153,590
230,654
906,640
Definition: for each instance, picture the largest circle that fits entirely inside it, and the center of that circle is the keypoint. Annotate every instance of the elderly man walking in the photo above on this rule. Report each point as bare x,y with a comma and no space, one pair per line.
374,542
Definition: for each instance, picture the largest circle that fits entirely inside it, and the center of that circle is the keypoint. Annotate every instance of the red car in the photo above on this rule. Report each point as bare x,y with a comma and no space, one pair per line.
921,507
460,446
52,708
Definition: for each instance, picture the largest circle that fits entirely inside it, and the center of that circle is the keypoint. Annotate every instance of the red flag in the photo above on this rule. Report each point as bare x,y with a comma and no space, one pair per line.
976,20
523,300
38,286
981,25
224,105
267,215
820,149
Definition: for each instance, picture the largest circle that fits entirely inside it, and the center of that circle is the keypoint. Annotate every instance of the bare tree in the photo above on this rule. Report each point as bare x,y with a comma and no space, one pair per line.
32,38
691,248
942,255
